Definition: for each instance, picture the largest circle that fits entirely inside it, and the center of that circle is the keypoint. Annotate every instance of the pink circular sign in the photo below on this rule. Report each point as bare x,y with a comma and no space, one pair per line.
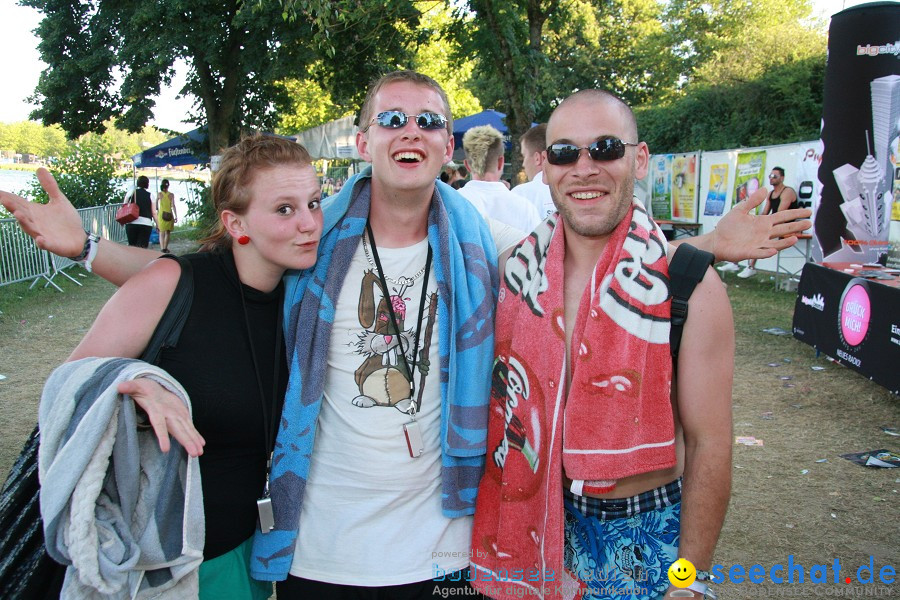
855,311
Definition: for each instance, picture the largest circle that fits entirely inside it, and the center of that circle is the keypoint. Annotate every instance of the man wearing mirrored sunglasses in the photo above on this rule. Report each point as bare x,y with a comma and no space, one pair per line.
383,495
383,501
606,461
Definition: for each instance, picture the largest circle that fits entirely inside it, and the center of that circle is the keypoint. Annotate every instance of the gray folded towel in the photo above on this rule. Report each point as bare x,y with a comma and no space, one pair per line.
126,517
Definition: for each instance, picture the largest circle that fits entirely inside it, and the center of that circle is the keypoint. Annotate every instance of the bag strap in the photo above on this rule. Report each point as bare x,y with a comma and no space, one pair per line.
687,269
168,330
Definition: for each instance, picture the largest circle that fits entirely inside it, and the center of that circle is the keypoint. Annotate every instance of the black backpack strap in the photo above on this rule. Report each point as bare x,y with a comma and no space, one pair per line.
168,330
687,269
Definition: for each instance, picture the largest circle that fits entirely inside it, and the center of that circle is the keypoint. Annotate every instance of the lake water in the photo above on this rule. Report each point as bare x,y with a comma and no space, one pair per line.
17,181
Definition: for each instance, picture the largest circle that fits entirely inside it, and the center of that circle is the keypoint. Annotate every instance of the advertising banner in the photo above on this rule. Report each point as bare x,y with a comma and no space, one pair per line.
860,131
715,195
684,187
852,320
661,185
809,189
749,174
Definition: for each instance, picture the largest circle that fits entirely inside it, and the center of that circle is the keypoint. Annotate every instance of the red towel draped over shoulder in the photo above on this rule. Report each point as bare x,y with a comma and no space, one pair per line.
613,421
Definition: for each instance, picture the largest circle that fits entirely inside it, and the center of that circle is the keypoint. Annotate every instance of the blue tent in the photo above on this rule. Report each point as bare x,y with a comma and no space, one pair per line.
485,117
175,152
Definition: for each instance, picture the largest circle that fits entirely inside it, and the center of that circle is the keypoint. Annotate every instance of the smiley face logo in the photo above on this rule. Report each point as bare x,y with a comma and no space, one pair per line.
682,573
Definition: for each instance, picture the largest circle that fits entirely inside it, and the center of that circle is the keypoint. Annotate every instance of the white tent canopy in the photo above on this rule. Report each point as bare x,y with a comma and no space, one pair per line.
336,139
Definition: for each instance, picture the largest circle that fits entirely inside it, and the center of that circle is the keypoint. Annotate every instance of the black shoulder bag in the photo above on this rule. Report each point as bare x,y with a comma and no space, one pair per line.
687,269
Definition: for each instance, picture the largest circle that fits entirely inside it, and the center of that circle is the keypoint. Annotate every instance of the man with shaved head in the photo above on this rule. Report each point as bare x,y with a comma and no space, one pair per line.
607,462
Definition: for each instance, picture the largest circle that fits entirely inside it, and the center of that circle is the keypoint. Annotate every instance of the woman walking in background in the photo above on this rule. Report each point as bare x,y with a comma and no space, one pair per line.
165,210
138,231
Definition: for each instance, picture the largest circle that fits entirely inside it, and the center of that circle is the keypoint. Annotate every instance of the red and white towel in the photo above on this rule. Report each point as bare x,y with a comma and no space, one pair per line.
613,420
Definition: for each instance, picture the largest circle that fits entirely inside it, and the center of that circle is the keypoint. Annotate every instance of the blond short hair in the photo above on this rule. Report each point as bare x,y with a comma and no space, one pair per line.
483,146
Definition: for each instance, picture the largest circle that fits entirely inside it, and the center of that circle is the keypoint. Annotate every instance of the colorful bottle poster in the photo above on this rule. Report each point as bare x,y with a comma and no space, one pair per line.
661,186
749,174
684,188
715,196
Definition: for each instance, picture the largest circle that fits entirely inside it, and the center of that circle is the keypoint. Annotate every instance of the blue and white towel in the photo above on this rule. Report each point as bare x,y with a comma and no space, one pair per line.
465,266
126,517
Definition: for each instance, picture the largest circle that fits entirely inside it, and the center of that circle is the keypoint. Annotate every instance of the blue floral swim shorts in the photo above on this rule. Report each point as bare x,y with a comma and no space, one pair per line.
621,549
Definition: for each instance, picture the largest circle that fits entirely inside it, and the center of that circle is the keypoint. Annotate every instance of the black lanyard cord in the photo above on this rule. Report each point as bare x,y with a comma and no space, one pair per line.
270,419
395,322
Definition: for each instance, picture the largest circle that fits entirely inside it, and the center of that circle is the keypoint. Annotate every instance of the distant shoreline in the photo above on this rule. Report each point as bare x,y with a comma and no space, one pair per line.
152,173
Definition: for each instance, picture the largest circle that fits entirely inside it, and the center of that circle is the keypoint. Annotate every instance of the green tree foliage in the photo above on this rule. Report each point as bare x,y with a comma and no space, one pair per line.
702,31
429,52
29,137
357,40
311,105
85,175
506,38
54,140
760,48
532,53
783,105
123,144
753,75
618,45
235,53
434,58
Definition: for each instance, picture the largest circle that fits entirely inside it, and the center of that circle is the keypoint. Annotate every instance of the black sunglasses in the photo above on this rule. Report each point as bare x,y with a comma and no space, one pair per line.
608,149
395,119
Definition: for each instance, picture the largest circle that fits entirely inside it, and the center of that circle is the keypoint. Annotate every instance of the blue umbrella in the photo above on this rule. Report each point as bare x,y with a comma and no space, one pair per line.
485,117
175,152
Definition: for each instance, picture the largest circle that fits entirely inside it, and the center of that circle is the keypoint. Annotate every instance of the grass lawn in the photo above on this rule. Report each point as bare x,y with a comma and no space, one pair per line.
792,496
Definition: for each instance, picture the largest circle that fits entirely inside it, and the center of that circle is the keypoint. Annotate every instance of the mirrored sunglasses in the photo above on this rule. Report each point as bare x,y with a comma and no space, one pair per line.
395,119
602,150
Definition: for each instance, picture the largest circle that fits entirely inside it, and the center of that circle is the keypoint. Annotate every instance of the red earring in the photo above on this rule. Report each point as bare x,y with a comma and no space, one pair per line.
244,240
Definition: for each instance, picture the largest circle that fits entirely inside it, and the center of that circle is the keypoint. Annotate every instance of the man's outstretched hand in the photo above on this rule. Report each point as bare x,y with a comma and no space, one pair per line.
55,226
740,235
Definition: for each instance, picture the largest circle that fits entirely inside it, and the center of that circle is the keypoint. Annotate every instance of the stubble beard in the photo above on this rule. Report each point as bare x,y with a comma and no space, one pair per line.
593,228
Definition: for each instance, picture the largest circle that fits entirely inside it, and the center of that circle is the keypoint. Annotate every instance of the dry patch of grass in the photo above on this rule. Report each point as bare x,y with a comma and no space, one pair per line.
39,328
783,503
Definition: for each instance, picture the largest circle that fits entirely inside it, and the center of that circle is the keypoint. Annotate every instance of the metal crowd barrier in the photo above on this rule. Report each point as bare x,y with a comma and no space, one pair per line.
21,259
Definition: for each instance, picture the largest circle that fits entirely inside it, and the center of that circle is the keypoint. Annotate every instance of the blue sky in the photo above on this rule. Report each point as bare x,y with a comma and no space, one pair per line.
22,65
